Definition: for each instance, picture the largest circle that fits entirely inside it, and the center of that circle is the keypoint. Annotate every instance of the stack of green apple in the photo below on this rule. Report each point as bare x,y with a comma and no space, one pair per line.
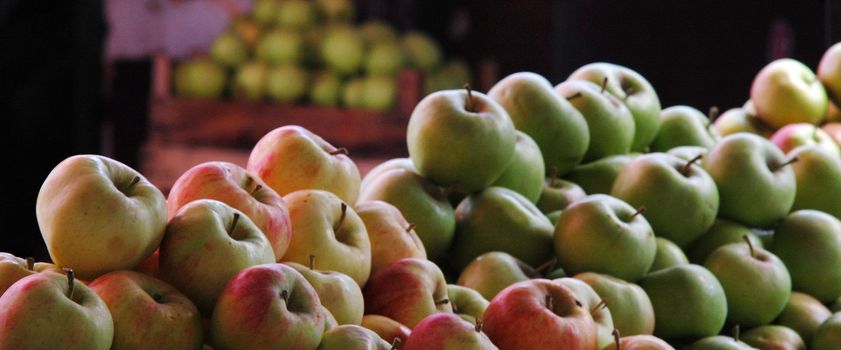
579,216
310,51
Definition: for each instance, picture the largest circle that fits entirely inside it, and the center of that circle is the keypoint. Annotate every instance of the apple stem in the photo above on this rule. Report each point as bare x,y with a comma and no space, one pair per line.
549,302
712,115
601,305
688,165
410,227
553,176
442,302
478,327
341,217
578,303
604,85
617,338
639,211
788,162
630,91
340,150
234,223
573,96
70,284
30,263
284,294
256,188
737,330
312,261
395,343
545,266
750,245
131,184
455,308
469,104
157,297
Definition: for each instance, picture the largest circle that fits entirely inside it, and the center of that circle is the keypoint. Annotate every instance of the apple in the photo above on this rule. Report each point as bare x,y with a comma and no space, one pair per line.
722,232
554,216
200,78
148,312
386,328
421,203
818,175
787,92
353,93
640,342
352,337
295,14
681,199
833,129
460,138
395,163
286,83
207,242
598,176
325,88
609,121
629,306
250,81
558,194
719,342
13,269
524,173
50,310
342,49
280,46
324,226
392,237
683,126
290,313
792,136
539,314
499,219
336,10
337,292
668,254
559,130
379,92
828,335
421,51
804,314
264,11
492,272
809,243
597,306
603,234
829,72
247,29
688,302
773,337
447,332
375,31
740,119
384,57
688,153
467,303
229,50
755,183
98,215
407,291
292,158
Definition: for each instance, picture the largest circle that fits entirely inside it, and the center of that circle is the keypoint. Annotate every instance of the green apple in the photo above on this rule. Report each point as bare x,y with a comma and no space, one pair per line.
290,314
407,291
818,175
683,126
13,269
343,49
98,215
372,175
634,91
598,307
376,31
609,121
392,237
719,342
287,83
688,153
804,314
524,173
598,176
603,234
421,203
737,120
755,183
264,11
250,81
148,312
353,93
447,332
386,328
556,126
829,72
379,92
641,342
558,194
681,199
460,138
206,243
756,282
773,337
384,58
421,51
336,10
292,158
467,303
786,92
280,46
338,293
492,272
325,88
352,337
792,136
200,78
295,14
499,219
554,216
688,301
668,255
809,243
50,310
722,232
629,306
828,335
229,50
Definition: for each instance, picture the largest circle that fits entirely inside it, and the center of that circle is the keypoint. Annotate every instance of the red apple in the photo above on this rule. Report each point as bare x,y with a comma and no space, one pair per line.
386,328
407,291
447,332
392,237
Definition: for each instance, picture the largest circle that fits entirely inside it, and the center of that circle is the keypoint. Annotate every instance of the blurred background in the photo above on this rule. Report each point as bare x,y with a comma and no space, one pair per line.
162,85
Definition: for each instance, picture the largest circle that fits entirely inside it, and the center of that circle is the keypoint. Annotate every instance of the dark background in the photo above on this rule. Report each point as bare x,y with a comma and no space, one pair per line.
54,96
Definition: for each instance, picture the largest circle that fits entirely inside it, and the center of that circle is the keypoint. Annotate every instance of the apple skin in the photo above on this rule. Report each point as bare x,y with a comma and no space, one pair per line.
737,120
13,269
668,255
598,176
755,281
688,301
804,314
229,49
337,292
521,309
372,175
292,158
681,198
559,130
773,337
828,335
719,342
792,136
461,139
634,91
557,194
148,312
722,232
809,243
324,226
352,337
407,291
499,219
524,173
233,185
296,322
447,332
754,186
818,175
392,237
629,306
610,123
601,234
35,304
98,215
833,129
688,153
641,342
202,250
386,328
280,46
467,303
786,92
683,126
829,72
592,302
492,272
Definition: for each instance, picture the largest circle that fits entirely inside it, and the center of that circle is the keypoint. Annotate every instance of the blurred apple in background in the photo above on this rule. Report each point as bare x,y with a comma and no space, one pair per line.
287,82
377,31
229,50
200,78
787,92
295,14
280,46
250,81
325,88
792,136
336,10
343,49
379,92
421,51
384,58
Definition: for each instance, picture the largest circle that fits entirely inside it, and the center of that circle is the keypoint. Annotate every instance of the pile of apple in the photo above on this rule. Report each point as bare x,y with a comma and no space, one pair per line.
290,51
580,216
